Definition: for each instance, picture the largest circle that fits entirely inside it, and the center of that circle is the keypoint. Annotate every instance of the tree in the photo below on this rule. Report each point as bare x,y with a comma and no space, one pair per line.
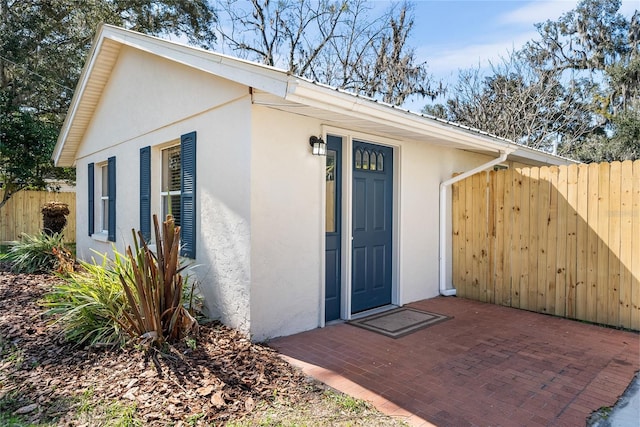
516,102
596,43
332,42
574,88
43,44
26,144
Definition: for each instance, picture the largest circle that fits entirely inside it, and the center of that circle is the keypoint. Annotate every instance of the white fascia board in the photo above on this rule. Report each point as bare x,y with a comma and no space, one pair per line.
248,73
75,100
541,156
310,94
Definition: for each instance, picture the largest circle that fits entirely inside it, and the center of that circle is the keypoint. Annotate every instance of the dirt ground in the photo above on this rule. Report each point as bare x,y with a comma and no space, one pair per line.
224,379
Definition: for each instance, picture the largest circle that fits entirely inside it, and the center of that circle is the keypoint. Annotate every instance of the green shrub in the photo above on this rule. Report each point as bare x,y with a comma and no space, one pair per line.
141,296
90,303
34,254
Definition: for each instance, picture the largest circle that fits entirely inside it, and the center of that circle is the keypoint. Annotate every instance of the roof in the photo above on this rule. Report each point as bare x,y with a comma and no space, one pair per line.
277,89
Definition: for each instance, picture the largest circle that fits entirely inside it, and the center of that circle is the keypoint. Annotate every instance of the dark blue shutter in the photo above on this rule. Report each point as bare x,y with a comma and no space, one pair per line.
188,195
91,197
145,193
111,188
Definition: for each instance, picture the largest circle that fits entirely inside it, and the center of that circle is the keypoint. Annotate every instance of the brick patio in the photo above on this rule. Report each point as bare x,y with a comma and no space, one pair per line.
488,366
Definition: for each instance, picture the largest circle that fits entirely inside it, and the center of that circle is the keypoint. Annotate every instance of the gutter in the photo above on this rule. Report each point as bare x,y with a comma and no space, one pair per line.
444,185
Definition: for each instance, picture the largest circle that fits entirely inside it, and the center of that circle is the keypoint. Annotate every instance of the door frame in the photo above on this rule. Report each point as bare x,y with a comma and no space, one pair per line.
347,213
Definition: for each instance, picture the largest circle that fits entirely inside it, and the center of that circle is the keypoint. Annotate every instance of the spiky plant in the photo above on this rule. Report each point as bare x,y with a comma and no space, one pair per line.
154,289
34,253
89,303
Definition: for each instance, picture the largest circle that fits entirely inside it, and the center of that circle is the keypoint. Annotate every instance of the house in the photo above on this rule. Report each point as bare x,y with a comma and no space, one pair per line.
283,240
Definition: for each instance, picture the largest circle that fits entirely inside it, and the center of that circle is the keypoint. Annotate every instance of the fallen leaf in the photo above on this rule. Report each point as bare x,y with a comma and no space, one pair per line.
26,409
129,395
205,391
249,404
217,400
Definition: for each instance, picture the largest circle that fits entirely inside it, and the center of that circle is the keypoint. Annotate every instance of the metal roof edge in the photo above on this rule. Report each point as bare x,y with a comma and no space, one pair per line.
293,88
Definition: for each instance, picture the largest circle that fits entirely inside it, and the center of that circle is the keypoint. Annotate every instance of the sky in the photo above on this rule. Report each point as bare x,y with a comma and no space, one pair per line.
454,34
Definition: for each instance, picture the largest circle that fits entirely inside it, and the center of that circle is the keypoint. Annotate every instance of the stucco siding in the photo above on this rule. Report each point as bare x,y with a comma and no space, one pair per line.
286,224
132,115
146,93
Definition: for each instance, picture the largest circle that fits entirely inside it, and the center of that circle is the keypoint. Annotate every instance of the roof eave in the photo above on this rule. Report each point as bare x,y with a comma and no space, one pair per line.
304,92
75,100
281,84
248,73
541,157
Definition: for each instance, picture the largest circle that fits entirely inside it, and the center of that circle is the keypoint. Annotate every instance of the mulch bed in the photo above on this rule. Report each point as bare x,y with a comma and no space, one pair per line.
223,378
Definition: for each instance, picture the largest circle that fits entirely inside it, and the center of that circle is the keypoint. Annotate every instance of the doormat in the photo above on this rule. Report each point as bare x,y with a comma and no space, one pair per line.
399,322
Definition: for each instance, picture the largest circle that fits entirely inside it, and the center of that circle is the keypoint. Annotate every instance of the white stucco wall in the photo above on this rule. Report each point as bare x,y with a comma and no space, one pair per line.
287,227
260,192
151,102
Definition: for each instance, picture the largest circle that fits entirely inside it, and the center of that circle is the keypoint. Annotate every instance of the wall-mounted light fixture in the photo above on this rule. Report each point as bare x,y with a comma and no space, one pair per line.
319,146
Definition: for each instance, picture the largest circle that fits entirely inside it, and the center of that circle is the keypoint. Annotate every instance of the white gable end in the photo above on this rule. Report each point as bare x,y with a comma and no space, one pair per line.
146,93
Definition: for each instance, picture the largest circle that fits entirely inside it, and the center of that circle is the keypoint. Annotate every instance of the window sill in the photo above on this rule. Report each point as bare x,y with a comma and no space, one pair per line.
100,237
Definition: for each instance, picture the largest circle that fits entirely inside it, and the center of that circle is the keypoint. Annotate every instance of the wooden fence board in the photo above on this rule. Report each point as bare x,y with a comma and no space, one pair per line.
462,220
559,215
501,293
582,242
572,253
456,234
613,244
635,250
542,216
21,214
602,270
559,240
533,238
511,272
592,243
525,241
552,241
469,237
478,218
626,233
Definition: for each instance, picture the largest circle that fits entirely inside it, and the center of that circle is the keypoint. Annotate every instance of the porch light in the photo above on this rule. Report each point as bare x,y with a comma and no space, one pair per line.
319,146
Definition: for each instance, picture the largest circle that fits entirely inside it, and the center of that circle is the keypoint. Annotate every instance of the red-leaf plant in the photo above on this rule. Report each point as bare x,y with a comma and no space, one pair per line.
153,288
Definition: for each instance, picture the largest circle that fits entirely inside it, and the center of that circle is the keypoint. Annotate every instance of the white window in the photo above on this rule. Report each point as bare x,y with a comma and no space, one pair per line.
170,190
104,200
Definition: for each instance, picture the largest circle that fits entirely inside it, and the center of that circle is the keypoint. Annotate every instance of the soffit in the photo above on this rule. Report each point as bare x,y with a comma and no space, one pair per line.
365,124
105,56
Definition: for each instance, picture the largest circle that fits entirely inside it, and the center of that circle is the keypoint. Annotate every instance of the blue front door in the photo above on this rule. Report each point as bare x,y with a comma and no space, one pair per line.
372,226
333,230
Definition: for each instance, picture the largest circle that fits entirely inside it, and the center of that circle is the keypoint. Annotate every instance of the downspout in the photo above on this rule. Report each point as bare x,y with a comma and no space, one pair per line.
444,185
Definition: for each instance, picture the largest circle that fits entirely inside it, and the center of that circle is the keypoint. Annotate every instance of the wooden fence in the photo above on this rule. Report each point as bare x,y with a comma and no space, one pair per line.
21,214
559,240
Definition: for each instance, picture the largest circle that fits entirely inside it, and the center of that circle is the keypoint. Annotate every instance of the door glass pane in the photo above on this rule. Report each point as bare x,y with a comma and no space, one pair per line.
380,162
365,160
358,161
331,192
372,166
